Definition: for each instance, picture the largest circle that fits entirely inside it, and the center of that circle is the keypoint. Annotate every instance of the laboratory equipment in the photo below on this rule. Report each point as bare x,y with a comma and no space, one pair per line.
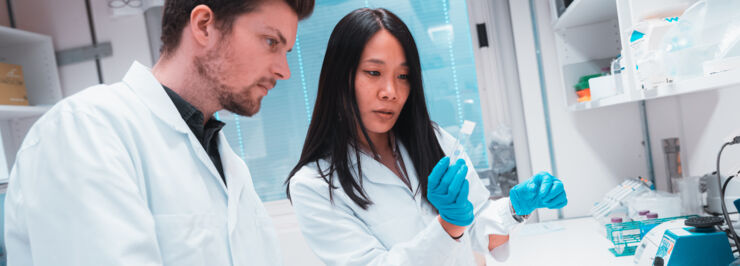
732,192
694,241
462,139
645,44
672,151
503,172
627,235
617,197
658,202
691,198
705,35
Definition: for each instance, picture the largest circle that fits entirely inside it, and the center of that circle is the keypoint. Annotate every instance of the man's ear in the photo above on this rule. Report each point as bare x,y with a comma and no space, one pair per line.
200,19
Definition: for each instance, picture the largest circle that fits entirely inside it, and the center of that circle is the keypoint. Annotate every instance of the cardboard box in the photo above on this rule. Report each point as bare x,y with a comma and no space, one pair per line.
12,86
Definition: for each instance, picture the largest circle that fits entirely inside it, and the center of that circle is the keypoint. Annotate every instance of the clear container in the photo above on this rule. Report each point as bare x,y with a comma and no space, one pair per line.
691,198
707,31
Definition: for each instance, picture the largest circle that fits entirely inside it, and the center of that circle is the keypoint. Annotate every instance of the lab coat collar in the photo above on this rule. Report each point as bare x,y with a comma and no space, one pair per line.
376,172
141,80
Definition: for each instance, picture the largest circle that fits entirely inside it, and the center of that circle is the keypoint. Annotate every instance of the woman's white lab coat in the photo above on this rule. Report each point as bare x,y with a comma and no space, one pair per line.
399,228
114,176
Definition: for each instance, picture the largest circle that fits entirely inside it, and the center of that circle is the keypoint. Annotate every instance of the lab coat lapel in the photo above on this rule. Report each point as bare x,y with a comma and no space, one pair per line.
141,80
236,174
410,169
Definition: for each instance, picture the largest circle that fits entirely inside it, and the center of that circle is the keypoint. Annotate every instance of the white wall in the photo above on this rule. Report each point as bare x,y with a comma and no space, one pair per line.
4,19
708,119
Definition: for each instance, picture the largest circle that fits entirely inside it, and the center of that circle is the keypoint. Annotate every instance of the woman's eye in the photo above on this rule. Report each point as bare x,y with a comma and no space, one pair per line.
373,73
403,76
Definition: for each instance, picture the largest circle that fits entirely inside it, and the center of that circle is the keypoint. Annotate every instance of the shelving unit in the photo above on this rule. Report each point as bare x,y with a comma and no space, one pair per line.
582,12
35,53
15,112
717,81
590,33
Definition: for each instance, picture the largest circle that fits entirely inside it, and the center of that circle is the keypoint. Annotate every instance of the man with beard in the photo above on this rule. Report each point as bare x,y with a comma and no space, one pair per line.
138,172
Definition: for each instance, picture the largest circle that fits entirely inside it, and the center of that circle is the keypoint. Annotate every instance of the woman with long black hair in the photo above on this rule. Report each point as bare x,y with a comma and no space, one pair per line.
373,185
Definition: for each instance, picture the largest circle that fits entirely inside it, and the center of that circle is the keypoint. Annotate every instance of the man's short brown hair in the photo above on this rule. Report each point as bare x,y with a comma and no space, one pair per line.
177,14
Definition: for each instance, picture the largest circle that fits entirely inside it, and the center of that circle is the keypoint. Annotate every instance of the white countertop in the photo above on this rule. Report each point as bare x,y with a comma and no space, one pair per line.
581,241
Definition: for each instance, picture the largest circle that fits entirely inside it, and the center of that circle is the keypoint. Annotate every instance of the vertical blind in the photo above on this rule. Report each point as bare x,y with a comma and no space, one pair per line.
270,142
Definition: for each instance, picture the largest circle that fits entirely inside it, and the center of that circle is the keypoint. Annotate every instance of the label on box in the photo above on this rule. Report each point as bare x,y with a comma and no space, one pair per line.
12,85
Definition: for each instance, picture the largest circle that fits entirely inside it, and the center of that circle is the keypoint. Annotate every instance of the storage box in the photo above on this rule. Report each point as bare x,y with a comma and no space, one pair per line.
12,85
604,86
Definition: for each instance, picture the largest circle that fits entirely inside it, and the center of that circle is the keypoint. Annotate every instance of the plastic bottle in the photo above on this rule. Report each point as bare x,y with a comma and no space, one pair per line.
619,244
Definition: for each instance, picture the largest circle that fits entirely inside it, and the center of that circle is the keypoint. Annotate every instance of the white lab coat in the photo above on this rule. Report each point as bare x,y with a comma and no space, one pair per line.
113,176
399,228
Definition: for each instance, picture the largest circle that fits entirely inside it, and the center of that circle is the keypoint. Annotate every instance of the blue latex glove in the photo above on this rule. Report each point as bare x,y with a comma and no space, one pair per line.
541,191
447,190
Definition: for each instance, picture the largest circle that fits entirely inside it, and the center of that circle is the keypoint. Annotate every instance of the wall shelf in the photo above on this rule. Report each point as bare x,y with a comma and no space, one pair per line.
18,111
716,81
582,12
612,100
35,54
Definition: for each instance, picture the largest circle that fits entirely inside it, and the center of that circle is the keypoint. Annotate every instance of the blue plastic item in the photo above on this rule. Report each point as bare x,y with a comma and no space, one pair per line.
540,191
448,192
627,235
692,246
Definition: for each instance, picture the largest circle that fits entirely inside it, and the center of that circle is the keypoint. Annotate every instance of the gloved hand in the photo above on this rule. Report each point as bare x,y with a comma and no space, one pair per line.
541,191
447,190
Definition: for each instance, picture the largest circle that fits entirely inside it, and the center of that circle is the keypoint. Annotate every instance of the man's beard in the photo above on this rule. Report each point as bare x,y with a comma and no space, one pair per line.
211,68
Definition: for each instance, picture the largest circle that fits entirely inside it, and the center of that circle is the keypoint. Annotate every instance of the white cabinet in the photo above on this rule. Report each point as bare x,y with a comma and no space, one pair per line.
590,33
35,53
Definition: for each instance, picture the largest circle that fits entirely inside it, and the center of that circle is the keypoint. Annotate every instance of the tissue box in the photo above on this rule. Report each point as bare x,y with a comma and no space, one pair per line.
12,86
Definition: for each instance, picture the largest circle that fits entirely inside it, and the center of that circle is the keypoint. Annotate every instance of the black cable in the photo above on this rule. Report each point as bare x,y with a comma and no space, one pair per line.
722,192
11,17
94,39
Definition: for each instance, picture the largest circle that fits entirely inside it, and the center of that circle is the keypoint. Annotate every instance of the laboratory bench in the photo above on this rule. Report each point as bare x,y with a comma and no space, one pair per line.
577,241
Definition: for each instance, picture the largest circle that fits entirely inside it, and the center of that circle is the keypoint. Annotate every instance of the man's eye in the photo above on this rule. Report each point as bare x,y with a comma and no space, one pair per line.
271,42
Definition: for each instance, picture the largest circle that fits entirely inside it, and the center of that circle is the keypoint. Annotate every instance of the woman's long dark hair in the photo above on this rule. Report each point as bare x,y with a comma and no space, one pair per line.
334,124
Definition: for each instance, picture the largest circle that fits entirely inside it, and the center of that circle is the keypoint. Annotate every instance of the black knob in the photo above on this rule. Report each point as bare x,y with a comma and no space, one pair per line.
658,261
704,222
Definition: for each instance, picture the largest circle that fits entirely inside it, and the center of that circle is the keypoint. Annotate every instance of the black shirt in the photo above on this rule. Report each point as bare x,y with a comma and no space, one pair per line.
206,134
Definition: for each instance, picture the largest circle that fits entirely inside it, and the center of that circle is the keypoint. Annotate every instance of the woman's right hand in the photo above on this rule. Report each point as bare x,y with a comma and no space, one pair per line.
447,190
